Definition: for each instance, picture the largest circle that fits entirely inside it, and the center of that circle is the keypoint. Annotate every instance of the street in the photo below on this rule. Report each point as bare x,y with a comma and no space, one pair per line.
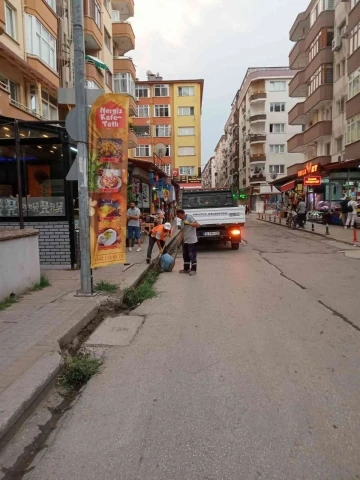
249,370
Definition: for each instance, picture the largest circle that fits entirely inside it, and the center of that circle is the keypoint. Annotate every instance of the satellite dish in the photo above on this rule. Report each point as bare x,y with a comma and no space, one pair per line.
274,175
160,149
149,72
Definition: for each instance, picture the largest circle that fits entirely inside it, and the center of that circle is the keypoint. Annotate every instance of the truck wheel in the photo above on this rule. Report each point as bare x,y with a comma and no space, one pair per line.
235,246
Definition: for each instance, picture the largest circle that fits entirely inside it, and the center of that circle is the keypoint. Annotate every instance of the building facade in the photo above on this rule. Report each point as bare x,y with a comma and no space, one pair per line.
168,123
253,148
327,56
208,174
36,54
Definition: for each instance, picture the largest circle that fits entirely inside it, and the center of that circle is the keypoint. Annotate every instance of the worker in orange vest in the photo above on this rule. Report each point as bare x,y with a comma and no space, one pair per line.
158,235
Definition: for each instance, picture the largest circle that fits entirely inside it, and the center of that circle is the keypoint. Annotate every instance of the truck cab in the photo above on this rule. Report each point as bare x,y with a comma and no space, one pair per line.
218,213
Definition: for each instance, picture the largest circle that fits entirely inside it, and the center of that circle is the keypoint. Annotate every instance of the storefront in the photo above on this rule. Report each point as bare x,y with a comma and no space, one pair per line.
35,158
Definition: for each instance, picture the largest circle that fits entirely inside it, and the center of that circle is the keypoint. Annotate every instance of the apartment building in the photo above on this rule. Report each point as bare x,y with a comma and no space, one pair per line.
208,174
36,54
327,56
254,147
168,123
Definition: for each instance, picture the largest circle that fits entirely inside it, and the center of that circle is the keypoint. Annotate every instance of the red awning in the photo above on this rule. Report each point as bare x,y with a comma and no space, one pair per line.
287,186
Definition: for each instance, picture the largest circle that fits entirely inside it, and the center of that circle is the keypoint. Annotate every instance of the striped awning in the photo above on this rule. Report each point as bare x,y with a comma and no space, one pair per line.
97,62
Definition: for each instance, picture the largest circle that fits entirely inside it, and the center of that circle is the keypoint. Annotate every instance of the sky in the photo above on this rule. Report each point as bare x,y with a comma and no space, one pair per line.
216,40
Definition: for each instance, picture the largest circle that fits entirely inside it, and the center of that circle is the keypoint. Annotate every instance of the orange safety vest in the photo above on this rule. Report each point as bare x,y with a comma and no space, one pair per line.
160,229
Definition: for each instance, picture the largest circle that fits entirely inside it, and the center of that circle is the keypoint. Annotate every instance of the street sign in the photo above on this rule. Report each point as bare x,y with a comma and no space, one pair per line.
72,175
72,124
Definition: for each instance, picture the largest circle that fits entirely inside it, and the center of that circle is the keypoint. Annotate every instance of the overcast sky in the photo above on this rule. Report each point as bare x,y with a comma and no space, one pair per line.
216,40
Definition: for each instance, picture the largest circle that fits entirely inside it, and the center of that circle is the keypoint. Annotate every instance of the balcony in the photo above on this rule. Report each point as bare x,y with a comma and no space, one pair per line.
133,139
123,37
257,178
257,138
92,35
300,27
325,56
124,7
319,129
326,19
354,18
257,117
124,65
258,157
95,74
295,144
258,96
322,94
298,86
42,10
297,115
298,57
353,107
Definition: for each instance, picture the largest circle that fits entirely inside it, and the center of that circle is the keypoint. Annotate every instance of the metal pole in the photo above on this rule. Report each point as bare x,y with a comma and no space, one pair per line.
82,154
18,167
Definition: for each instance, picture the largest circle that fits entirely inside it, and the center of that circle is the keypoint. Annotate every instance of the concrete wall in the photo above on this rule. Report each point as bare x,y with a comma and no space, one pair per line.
54,241
19,264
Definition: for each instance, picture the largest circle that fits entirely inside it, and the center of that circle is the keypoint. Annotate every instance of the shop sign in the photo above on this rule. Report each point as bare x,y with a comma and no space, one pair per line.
194,179
310,168
182,179
108,172
313,180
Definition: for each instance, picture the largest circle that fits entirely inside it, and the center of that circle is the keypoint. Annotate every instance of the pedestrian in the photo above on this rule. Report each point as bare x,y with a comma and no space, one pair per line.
352,214
301,210
158,235
189,241
344,209
133,215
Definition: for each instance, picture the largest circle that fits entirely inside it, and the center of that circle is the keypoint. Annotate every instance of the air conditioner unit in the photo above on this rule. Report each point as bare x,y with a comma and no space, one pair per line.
336,44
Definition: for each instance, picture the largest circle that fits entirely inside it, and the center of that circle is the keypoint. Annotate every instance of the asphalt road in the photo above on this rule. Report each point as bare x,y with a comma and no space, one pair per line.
250,370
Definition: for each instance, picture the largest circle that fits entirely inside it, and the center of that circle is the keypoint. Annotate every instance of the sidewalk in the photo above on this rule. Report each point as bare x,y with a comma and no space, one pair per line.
336,232
32,330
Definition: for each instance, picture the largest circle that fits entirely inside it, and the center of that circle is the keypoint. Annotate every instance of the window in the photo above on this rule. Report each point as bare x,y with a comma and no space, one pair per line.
277,127
322,76
167,169
186,151
142,131
4,82
280,169
320,6
277,107
277,86
14,91
315,46
339,144
183,111
52,4
354,39
143,111
186,131
90,84
161,90
162,110
49,106
186,91
168,151
97,14
340,106
354,83
277,148
10,21
107,39
162,131
353,3
143,151
142,91
186,170
107,5
124,83
40,42
353,129
115,15
109,79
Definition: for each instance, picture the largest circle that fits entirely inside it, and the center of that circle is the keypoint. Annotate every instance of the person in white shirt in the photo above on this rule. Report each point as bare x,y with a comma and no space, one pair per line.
352,214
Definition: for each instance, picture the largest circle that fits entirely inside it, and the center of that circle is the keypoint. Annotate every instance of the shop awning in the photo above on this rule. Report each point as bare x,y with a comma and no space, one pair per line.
287,186
98,63
268,190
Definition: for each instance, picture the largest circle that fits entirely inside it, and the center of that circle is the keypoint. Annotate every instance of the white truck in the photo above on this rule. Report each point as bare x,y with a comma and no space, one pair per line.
218,213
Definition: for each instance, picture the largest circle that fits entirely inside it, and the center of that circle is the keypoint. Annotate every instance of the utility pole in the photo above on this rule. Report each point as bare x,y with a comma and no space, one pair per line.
82,155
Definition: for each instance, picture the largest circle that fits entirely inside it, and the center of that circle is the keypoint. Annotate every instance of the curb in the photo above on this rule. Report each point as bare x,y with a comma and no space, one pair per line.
24,391
328,237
